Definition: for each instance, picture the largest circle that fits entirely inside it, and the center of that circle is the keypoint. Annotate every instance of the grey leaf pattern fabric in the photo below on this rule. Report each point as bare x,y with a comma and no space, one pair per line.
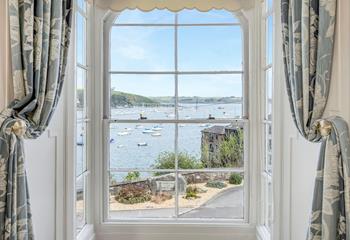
40,36
308,38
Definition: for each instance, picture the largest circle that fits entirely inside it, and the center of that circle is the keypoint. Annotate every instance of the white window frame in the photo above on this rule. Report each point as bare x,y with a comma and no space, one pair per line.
266,176
108,24
71,124
205,230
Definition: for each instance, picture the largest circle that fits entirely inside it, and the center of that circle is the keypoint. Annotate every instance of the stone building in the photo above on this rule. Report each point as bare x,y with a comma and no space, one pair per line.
212,138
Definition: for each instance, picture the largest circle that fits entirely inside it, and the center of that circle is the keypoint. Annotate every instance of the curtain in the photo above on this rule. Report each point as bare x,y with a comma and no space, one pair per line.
308,29
40,36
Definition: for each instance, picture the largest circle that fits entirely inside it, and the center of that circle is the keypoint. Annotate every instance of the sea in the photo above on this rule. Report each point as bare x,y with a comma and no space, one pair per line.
139,145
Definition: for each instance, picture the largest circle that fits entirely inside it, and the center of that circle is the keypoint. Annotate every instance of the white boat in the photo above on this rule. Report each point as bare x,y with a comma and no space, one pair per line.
123,133
181,125
128,129
142,144
171,115
120,146
157,128
156,134
139,127
147,131
205,125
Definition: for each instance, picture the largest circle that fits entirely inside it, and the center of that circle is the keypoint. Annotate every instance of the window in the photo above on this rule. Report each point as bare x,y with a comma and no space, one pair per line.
82,114
175,113
267,67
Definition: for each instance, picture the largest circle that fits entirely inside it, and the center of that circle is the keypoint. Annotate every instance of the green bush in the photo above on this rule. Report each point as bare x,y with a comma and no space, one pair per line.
235,178
166,160
228,154
216,184
191,192
132,176
132,194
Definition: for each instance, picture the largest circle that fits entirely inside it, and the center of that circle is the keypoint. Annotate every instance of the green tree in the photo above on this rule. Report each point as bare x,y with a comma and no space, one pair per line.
166,160
231,150
132,176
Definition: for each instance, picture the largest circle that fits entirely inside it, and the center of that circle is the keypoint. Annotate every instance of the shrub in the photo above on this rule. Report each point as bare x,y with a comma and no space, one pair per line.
132,194
166,160
161,197
228,154
191,192
235,178
216,184
132,176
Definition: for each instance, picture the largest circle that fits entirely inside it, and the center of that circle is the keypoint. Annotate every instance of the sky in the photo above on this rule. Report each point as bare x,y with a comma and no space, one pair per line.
153,49
204,48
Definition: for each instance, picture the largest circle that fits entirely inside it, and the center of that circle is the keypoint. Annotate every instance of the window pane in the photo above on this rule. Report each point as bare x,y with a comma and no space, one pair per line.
81,148
201,96
269,5
80,39
212,195
268,93
80,205
211,146
269,40
142,145
142,195
210,48
140,17
268,204
81,93
152,96
82,5
268,148
213,16
142,48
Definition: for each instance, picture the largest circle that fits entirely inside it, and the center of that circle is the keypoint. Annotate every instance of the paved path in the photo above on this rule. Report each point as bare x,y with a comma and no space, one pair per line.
227,204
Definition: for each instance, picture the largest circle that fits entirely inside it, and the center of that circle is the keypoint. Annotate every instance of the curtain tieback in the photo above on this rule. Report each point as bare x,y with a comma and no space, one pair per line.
324,127
19,128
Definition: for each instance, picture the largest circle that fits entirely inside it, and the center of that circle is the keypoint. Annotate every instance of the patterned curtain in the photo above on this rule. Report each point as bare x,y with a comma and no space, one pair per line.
40,33
308,28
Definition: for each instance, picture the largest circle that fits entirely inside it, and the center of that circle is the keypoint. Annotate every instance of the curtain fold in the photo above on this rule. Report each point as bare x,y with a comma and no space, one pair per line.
39,37
308,29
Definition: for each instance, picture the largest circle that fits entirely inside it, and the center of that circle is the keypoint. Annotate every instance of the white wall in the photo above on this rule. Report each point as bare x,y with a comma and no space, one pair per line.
300,157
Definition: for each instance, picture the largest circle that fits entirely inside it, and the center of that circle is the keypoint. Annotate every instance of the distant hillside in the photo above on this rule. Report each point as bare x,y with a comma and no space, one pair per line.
126,99
200,100
120,99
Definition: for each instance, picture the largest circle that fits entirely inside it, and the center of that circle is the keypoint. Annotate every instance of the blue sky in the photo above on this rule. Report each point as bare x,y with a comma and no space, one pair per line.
205,48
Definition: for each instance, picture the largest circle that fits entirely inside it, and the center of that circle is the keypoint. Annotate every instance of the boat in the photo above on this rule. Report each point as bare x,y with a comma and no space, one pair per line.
139,127
156,134
123,133
128,129
147,131
181,125
142,144
111,140
157,128
205,125
221,107
120,146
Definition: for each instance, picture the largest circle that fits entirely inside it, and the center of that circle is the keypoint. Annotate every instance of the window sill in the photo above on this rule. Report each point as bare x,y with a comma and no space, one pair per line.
87,233
262,233
127,231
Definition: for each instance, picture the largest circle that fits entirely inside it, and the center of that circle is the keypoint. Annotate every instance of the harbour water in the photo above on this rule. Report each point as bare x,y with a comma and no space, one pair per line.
139,145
